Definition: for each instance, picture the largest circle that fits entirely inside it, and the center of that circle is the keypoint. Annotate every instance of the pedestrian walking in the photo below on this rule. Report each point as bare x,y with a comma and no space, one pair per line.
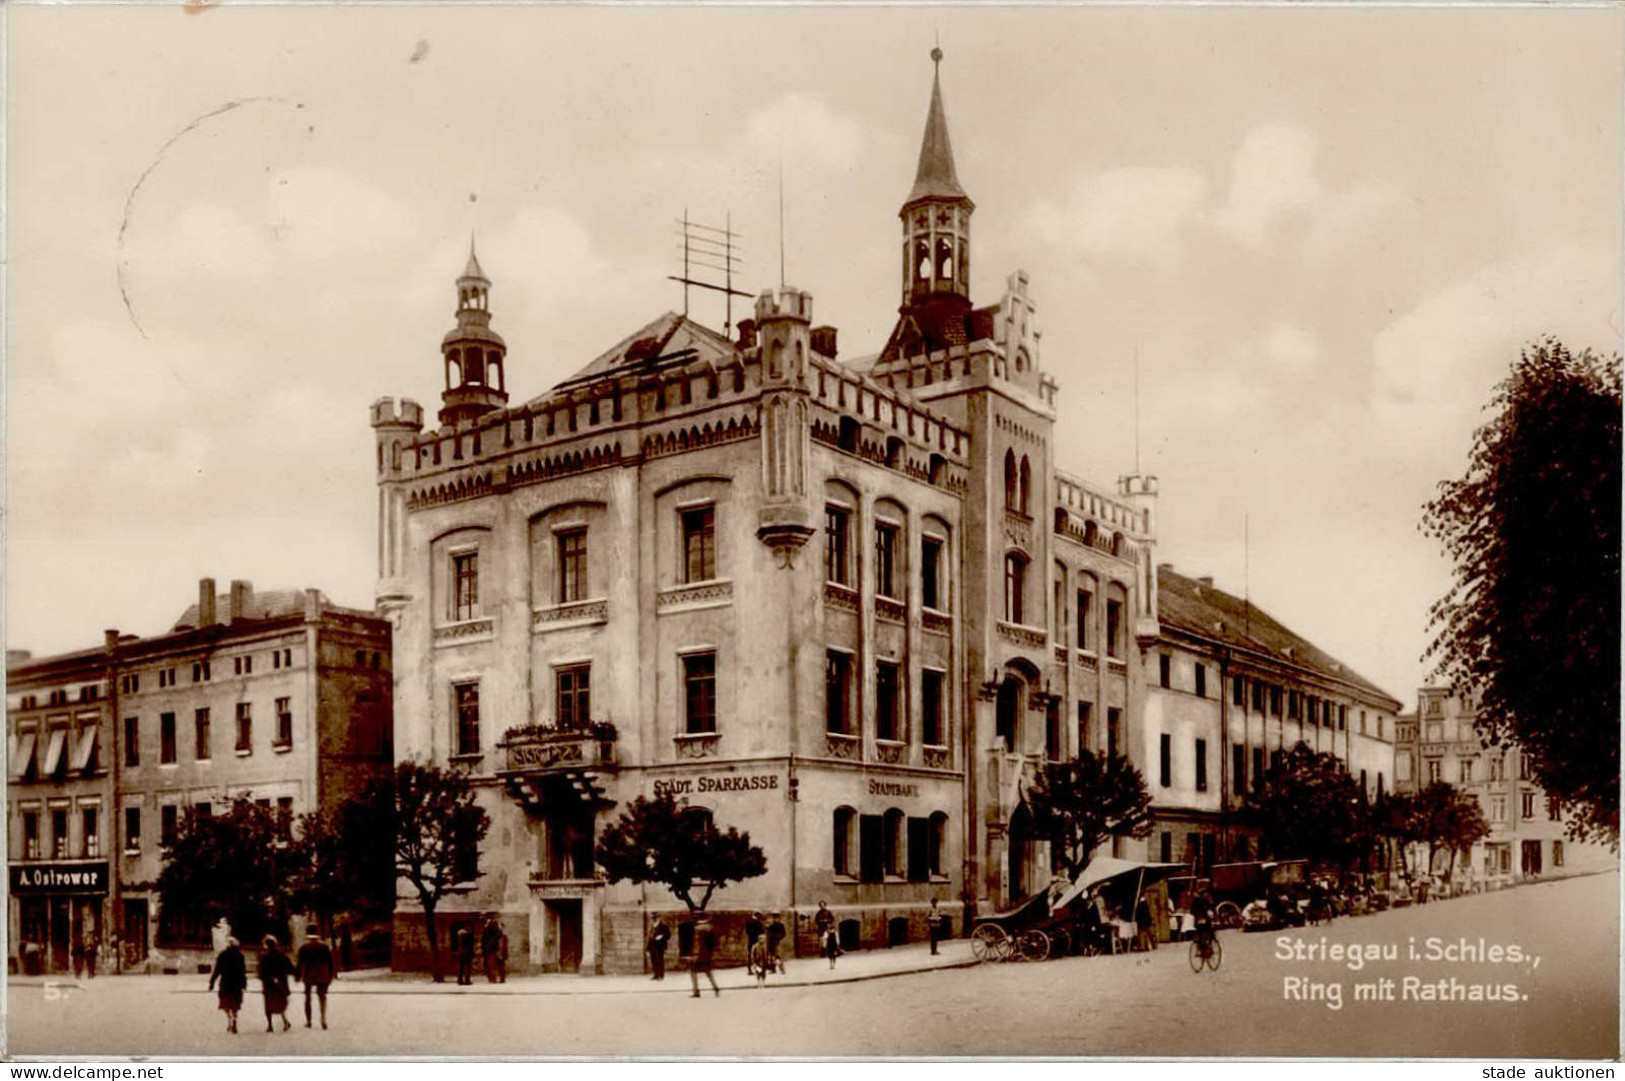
824,925
275,968
494,950
775,942
92,947
1142,925
753,934
659,935
231,973
705,951
464,939
935,925
315,969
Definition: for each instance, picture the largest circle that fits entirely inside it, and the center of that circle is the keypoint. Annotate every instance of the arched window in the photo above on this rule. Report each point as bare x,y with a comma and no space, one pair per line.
945,259
922,260
937,843
473,366
891,844
699,819
1015,585
493,363
844,818
1025,485
1010,480
1007,712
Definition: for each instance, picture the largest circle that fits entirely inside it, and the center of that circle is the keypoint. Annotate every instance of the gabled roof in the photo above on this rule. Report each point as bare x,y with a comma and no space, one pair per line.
930,327
1209,612
668,336
935,176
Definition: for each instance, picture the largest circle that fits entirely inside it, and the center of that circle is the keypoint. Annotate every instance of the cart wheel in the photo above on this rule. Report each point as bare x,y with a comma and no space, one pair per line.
1034,945
1227,915
1197,960
989,943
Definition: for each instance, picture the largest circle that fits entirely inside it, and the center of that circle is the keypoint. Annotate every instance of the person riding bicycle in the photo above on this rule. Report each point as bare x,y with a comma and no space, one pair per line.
1202,915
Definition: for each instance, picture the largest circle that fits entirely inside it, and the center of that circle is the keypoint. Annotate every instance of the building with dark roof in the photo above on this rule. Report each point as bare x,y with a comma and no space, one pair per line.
806,595
1230,690
281,697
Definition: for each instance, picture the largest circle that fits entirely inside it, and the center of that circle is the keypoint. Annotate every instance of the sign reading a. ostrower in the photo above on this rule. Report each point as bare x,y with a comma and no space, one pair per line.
27,878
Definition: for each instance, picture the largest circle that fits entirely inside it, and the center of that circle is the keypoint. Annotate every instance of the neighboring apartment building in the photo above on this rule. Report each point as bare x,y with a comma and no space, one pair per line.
804,594
279,697
1528,834
59,797
1230,690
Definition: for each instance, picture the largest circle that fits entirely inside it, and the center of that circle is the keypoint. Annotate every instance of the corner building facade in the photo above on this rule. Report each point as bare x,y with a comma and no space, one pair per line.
804,594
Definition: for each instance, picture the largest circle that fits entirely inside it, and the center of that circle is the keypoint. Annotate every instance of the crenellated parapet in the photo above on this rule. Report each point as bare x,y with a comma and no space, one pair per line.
1087,515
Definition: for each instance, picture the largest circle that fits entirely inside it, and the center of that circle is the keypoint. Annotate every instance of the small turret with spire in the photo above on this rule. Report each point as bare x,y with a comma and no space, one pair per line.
474,354
936,217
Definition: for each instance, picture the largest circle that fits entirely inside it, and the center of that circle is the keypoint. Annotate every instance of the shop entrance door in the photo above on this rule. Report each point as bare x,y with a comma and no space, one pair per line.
61,936
568,914
135,931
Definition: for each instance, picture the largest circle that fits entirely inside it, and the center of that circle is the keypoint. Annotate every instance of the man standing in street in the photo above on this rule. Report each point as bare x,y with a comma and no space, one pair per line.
934,925
465,955
775,942
659,935
824,926
753,934
493,948
315,969
705,951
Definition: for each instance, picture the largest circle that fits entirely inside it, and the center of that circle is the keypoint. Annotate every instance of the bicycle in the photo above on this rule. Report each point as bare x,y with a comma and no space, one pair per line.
1205,949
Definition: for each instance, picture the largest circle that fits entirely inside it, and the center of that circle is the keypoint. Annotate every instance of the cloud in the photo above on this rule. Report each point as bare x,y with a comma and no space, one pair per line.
807,132
1272,180
1291,350
1137,214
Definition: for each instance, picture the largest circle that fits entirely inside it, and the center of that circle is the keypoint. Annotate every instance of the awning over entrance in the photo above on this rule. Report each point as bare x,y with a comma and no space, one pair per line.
1105,868
84,749
21,754
52,758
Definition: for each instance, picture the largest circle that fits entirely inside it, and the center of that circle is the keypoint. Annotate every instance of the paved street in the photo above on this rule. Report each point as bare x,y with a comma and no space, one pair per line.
1126,1005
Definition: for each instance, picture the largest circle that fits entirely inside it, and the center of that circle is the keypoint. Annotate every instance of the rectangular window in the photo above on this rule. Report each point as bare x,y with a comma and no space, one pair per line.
1342,718
1201,680
1466,771
1362,783
1238,693
204,809
284,818
837,541
1497,767
1166,847
1114,628
1524,765
284,723
886,560
843,841
166,738
132,741
276,658
1528,805
1258,768
1201,765
89,843
1498,808
573,694
931,727
1114,718
245,728
1084,710
1238,768
132,830
1083,616
699,544
572,555
1166,760
200,727
932,593
1435,770
1362,722
888,722
1258,696
838,691
465,585
919,850
1165,667
1554,809
1059,615
169,817
871,857
1275,700
700,693
466,706
1557,853
31,835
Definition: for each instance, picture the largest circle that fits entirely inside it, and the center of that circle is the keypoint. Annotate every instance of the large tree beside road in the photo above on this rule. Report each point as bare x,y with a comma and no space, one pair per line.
1081,803
670,844
1530,627
438,830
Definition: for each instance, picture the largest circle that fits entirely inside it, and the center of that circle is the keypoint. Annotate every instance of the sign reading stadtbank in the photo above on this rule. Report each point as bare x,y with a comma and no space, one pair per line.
58,878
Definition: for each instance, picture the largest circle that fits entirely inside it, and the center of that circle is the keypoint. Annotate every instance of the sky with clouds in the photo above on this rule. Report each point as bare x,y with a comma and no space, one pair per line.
1318,236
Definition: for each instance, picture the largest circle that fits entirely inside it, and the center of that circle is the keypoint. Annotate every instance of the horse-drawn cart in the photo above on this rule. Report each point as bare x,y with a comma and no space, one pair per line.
1061,921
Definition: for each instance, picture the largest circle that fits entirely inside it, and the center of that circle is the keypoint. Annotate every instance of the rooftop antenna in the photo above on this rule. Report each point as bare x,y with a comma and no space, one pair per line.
781,219
1246,574
1136,410
709,248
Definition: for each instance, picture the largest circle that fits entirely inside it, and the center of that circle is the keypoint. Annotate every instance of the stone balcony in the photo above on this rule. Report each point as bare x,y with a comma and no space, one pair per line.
542,765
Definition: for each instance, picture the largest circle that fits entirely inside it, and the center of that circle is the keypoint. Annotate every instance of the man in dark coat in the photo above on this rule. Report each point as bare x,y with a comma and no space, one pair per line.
465,955
753,933
231,972
659,935
824,925
934,925
705,951
275,968
315,969
494,949
93,946
775,942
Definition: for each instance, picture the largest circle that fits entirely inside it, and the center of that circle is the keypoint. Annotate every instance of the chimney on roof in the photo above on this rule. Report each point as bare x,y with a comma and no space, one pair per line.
1206,580
823,341
205,602
1169,567
313,605
747,334
18,656
240,592
111,638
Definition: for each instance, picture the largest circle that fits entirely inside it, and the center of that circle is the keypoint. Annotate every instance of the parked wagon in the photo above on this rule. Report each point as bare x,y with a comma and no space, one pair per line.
1236,884
1055,923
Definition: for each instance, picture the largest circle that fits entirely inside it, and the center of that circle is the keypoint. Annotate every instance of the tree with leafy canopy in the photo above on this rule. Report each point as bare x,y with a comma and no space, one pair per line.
1394,822
670,844
1530,627
438,830
347,857
1308,807
238,865
1081,803
1446,819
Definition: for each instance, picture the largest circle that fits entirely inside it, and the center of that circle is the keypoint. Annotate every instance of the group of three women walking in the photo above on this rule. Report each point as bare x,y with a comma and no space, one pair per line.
315,968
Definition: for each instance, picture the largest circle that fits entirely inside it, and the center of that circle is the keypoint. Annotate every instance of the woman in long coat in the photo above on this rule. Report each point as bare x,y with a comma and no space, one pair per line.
231,971
275,968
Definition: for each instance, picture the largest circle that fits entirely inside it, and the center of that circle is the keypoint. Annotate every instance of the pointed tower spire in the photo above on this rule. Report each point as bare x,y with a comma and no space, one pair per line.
936,220
472,270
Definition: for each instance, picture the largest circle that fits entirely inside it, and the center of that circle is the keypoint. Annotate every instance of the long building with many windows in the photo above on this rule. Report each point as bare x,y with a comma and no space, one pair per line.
805,594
